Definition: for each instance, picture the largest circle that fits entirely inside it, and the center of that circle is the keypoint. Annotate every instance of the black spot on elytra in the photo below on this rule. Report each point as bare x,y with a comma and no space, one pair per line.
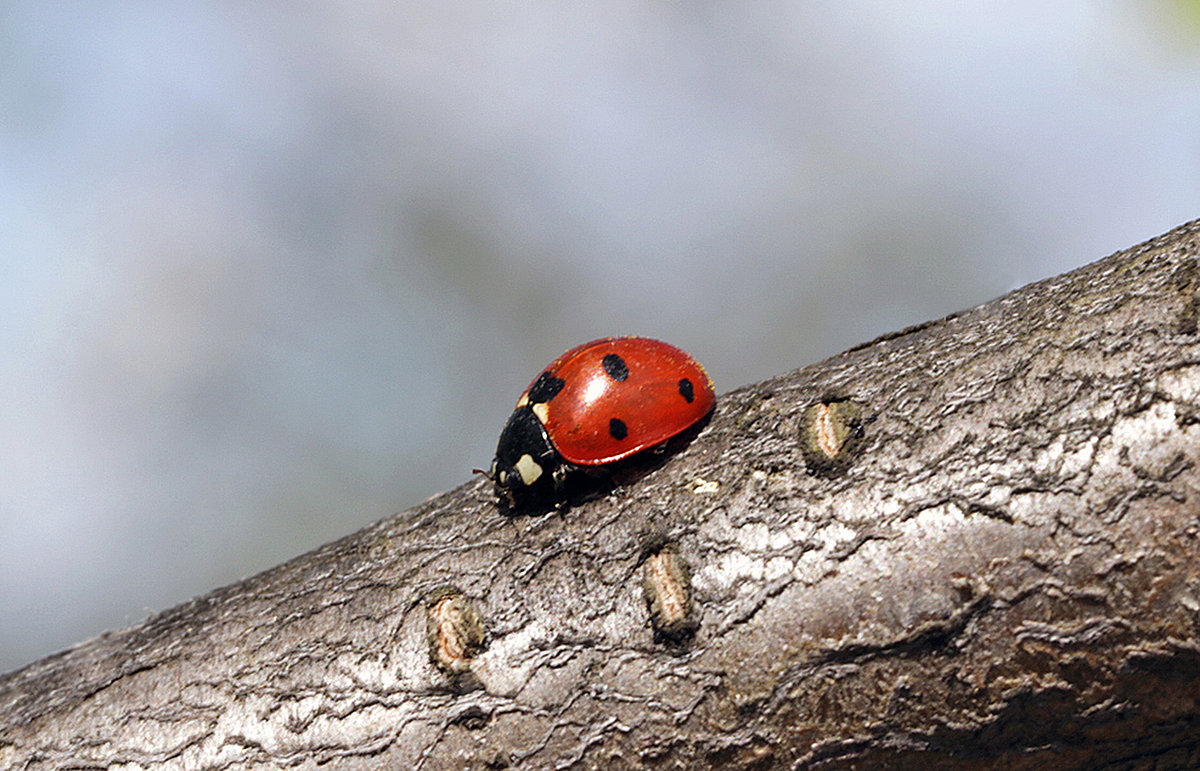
686,391
618,429
615,366
545,388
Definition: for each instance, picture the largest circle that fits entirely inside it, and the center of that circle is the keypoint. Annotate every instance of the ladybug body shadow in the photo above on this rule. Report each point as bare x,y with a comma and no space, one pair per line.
580,423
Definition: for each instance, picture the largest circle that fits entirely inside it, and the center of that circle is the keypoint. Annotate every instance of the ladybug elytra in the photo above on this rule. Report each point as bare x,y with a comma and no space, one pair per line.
596,404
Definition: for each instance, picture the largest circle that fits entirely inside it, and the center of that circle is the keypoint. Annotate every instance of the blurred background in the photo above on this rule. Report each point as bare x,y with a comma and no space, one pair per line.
273,270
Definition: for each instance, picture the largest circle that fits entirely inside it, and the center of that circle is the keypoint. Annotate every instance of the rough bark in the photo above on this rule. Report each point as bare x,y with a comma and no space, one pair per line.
970,543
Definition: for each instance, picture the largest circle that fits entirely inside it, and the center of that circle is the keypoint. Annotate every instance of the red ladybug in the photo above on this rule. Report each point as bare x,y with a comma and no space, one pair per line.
596,404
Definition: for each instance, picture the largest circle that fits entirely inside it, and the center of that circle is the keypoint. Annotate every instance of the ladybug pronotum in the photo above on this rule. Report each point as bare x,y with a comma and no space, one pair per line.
597,404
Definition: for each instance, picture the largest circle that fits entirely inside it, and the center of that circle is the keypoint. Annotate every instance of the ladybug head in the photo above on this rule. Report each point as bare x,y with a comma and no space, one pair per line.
527,469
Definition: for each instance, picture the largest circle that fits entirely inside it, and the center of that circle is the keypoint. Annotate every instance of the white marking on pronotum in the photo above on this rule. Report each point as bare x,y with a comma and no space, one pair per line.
542,410
522,401
528,468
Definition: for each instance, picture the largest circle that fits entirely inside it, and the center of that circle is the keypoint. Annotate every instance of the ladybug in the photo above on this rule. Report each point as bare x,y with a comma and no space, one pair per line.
596,404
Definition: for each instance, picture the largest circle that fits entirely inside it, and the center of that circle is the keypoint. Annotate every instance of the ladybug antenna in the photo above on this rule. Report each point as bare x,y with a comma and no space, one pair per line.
481,471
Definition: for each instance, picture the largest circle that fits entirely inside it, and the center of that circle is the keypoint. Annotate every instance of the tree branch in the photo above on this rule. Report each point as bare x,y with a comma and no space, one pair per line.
973,542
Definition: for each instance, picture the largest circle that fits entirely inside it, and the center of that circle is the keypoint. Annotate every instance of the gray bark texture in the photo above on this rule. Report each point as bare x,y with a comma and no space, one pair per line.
973,544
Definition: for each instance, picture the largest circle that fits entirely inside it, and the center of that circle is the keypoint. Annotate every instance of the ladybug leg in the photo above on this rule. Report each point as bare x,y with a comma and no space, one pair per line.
560,476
